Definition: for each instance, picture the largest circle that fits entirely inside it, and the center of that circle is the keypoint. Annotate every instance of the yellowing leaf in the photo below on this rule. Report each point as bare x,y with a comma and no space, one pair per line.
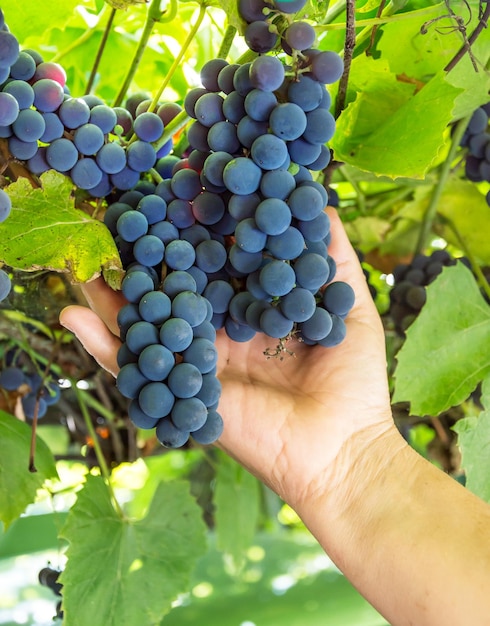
45,231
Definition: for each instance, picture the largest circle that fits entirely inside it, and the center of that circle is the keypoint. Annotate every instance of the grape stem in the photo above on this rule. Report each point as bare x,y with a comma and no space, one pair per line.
430,214
154,16
179,57
228,38
98,450
100,52
349,45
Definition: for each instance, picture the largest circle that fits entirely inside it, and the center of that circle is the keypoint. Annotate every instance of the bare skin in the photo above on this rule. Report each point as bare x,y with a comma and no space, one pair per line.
317,428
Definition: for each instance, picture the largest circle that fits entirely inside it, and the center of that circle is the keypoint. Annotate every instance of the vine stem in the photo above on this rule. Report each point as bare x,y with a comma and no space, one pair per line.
154,15
471,40
386,18
179,57
98,450
436,195
100,52
228,37
349,45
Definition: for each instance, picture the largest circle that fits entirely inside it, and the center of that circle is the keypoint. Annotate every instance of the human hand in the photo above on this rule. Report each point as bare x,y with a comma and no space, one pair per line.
297,423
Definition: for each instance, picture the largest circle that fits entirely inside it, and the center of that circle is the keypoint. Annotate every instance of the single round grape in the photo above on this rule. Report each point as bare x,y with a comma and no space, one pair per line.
288,121
249,237
210,71
135,285
312,271
132,225
185,380
61,155
5,205
89,139
327,67
338,298
11,378
156,399
317,326
300,35
274,324
149,250
211,431
259,37
287,245
176,334
190,306
169,435
277,278
148,127
155,307
179,255
189,414
219,293
269,152
298,305
202,353
141,156
74,112
155,361
104,117
139,418
21,91
130,381
86,174
273,216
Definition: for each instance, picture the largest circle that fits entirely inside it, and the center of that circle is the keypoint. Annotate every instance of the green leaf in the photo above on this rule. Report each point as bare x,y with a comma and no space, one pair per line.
447,348
465,207
123,572
474,441
376,131
45,231
53,14
18,486
237,509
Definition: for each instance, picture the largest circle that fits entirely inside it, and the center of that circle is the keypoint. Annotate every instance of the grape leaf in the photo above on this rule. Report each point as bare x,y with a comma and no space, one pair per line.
376,131
53,15
124,572
18,486
474,441
447,348
45,231
464,205
237,509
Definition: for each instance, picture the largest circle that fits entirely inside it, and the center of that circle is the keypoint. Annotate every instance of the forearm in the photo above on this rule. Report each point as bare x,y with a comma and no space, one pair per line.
411,539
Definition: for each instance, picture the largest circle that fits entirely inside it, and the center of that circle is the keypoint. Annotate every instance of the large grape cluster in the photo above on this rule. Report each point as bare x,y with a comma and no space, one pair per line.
477,140
235,237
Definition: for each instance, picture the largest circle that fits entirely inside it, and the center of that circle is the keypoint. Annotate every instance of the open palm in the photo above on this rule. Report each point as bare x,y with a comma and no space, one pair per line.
286,419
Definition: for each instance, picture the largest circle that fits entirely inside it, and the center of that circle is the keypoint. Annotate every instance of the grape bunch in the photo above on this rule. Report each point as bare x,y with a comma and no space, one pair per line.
48,577
235,235
408,294
477,140
37,390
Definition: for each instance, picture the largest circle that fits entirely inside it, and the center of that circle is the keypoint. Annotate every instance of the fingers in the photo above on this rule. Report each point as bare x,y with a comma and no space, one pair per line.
104,301
93,334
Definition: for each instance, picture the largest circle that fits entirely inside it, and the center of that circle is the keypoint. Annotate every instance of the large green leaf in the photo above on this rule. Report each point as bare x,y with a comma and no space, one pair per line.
390,128
237,508
45,231
474,441
447,349
29,18
123,572
18,486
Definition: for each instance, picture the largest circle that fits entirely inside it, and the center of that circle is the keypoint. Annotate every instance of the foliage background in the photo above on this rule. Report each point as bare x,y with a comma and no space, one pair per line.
400,176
